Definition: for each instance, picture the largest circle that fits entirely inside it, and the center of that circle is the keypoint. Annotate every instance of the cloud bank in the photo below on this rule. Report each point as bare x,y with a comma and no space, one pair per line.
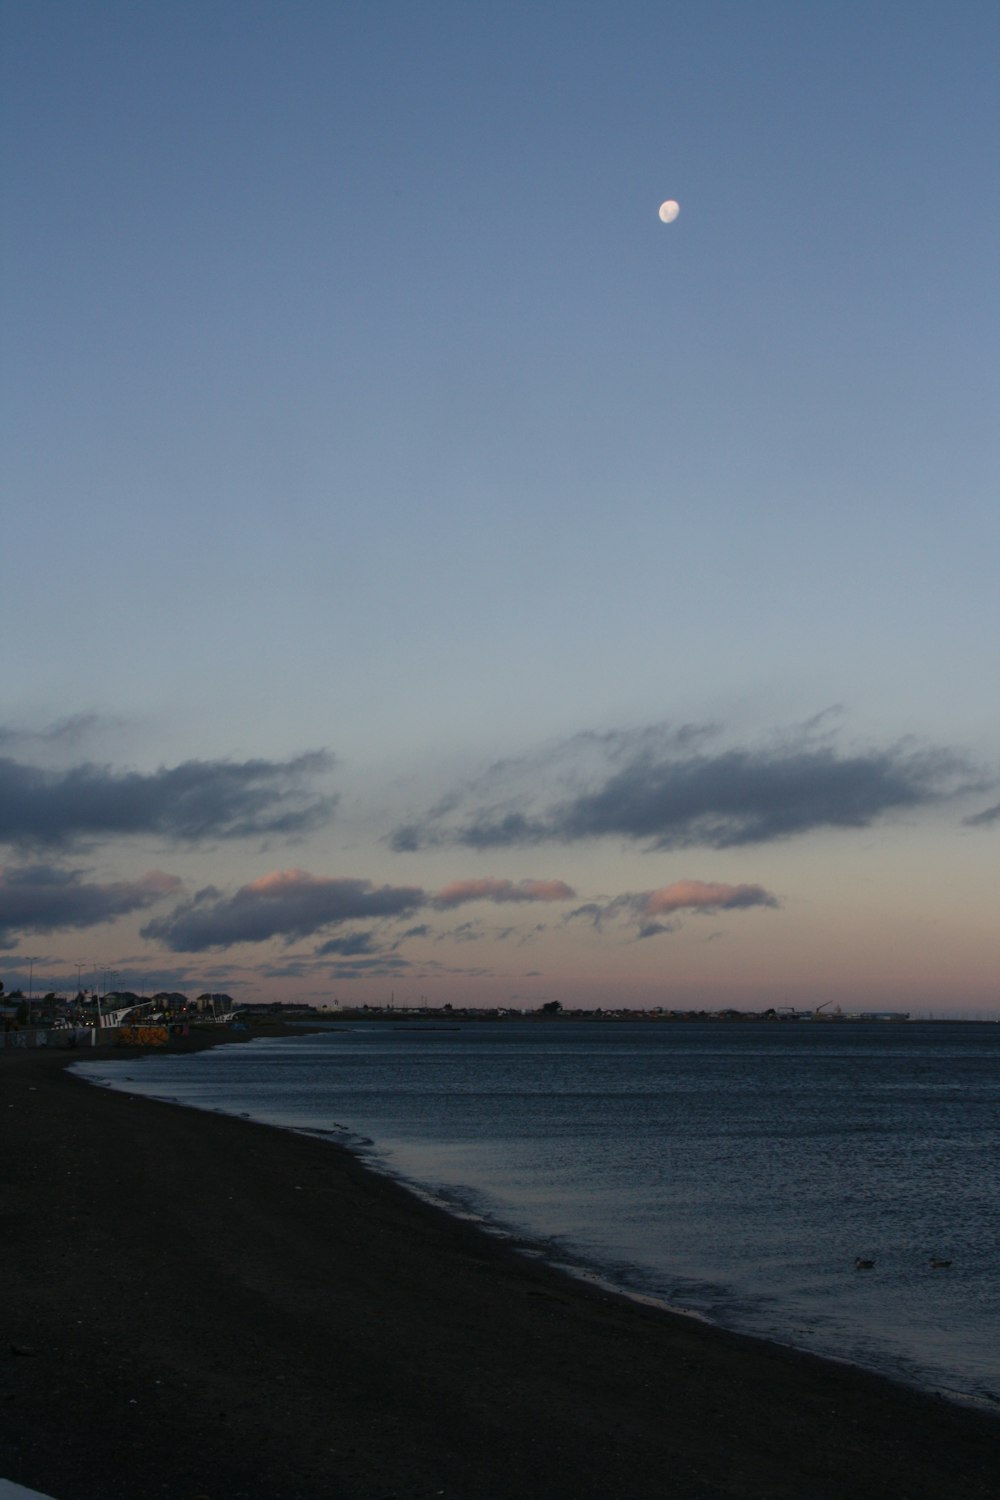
290,904
197,800
43,898
676,800
286,904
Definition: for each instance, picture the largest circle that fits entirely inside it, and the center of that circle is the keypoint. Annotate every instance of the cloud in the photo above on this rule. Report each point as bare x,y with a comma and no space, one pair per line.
350,946
653,929
460,891
285,904
293,904
383,966
295,968
44,898
669,798
645,909
408,838
62,732
551,769
465,932
984,819
591,911
742,797
700,895
193,801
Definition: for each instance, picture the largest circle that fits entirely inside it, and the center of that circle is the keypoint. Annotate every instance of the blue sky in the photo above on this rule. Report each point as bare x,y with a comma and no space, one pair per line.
377,460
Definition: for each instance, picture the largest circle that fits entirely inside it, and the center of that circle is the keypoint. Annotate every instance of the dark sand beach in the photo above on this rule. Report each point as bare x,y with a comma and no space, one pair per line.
196,1306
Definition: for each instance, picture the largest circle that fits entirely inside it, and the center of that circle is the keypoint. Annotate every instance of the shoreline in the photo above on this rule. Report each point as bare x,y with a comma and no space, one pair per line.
223,1308
583,1273
564,1259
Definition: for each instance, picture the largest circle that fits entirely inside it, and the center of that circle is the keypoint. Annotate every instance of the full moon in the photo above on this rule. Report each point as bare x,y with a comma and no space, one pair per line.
669,211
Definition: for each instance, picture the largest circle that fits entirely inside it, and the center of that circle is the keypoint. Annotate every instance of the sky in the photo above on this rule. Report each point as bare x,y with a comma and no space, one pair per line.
427,576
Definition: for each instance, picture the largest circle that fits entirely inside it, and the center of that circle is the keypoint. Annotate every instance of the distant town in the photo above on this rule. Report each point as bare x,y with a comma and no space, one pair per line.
80,1019
122,1015
555,1009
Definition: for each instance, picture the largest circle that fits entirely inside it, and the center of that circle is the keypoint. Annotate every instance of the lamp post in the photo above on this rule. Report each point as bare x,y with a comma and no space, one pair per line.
31,962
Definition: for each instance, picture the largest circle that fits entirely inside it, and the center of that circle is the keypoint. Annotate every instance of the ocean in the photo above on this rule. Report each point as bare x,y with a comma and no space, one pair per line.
733,1171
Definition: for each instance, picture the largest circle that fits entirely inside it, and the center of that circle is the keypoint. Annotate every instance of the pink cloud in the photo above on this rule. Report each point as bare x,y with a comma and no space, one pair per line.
278,883
695,895
487,889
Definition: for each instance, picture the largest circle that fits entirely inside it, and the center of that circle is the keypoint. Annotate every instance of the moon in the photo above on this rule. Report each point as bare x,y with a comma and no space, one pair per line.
669,211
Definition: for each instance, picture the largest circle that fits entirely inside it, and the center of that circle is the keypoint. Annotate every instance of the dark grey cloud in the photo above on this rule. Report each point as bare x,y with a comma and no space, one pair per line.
197,800
743,797
408,838
669,799
984,819
45,898
62,733
654,929
590,911
351,946
286,904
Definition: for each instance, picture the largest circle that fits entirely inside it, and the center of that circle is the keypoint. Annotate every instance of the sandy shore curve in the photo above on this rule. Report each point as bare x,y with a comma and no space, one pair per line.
198,1306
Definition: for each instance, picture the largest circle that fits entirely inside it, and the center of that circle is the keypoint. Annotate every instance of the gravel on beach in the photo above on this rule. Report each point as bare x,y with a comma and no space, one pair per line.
201,1308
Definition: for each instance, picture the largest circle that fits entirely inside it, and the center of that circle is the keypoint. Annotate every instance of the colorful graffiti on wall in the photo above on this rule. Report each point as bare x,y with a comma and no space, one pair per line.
143,1036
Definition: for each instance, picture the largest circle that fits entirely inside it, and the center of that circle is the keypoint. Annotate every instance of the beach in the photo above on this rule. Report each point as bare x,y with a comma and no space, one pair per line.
200,1306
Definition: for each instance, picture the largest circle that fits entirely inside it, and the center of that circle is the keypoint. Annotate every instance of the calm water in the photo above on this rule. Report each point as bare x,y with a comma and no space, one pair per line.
733,1171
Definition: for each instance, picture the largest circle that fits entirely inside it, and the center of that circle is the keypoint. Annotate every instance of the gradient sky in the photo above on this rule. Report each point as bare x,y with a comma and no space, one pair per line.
425,572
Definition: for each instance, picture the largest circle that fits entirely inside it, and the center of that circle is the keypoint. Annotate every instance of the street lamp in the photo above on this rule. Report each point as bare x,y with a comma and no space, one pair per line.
31,962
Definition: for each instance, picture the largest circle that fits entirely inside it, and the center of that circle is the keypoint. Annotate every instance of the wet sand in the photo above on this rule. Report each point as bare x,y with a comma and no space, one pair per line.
201,1308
